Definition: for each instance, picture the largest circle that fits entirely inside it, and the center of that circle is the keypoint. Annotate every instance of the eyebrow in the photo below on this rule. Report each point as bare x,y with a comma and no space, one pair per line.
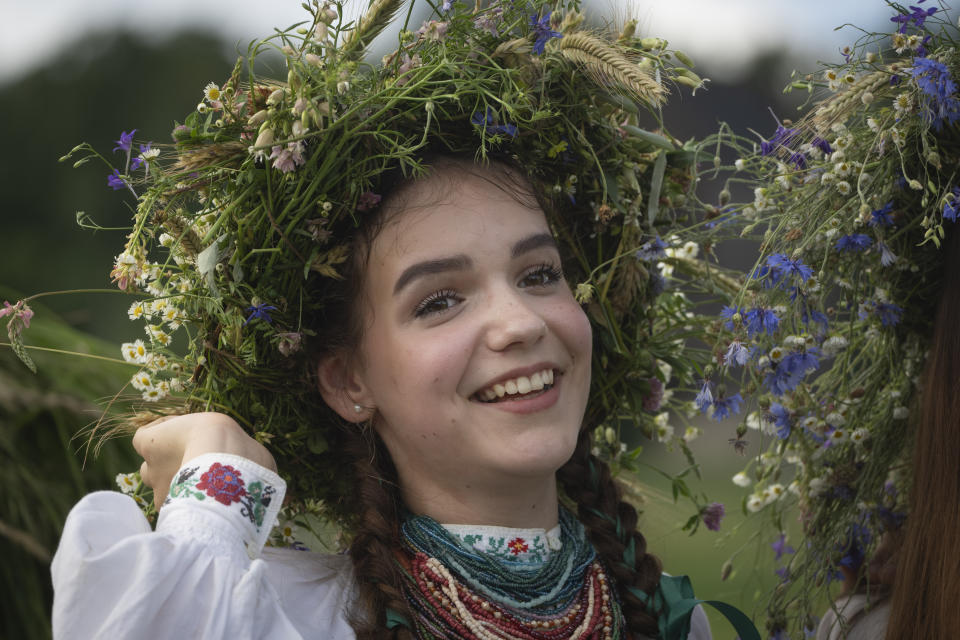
531,243
462,262
431,267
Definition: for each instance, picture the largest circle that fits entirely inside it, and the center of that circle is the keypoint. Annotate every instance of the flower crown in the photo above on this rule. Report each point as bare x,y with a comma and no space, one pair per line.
241,222
828,338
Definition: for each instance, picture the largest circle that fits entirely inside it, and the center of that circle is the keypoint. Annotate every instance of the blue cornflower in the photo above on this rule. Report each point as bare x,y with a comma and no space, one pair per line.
887,257
780,546
798,160
115,181
652,250
487,123
705,398
790,372
809,315
939,90
260,311
854,242
821,144
858,538
728,313
952,206
888,313
759,320
781,137
541,28
780,417
126,139
780,270
881,217
723,408
737,354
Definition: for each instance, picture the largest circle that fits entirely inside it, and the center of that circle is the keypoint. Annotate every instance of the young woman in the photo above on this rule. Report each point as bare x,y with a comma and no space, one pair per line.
422,296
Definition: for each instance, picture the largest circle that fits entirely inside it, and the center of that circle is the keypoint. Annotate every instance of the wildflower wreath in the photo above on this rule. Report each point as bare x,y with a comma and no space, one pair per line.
241,222
828,338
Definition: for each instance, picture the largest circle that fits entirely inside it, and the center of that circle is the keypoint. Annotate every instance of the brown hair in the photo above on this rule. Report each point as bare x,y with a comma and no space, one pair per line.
610,522
927,583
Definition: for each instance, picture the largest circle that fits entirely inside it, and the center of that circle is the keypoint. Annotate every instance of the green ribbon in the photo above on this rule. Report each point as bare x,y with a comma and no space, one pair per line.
675,602
396,619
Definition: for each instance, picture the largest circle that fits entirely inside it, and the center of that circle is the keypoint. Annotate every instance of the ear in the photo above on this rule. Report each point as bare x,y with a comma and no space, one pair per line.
343,389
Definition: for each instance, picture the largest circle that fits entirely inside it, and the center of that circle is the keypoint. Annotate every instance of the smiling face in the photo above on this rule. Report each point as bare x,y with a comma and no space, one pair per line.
474,351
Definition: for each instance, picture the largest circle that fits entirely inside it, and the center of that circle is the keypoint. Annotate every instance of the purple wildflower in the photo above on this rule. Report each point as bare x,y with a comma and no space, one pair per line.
780,546
736,354
652,250
798,160
261,312
760,320
487,123
821,144
723,408
712,514
126,139
952,206
446,6
705,398
543,32
490,20
115,182
368,200
135,163
854,242
654,399
781,137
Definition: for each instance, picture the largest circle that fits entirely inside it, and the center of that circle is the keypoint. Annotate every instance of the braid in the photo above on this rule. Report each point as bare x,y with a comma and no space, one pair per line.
611,526
377,531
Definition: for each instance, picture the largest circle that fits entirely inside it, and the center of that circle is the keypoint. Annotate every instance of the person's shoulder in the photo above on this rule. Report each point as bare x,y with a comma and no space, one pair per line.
855,617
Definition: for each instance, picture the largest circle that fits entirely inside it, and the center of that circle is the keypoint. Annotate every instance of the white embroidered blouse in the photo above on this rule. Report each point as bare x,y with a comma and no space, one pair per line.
204,572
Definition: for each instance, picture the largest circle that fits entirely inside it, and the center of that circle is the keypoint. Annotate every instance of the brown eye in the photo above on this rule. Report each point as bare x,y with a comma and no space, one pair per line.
542,275
437,302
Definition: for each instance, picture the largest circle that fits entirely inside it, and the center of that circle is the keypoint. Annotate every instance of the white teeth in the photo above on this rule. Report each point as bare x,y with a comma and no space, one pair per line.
523,385
520,385
536,382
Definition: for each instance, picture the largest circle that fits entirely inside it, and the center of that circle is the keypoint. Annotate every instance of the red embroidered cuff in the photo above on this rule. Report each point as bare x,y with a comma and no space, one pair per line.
243,498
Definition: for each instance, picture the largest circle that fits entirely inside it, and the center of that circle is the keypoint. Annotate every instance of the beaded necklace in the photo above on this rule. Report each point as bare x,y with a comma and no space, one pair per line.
458,592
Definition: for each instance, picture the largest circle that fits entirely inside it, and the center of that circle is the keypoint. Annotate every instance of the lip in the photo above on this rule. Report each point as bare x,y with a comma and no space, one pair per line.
522,371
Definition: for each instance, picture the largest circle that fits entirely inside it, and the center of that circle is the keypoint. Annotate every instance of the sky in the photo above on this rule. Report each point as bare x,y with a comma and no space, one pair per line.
726,33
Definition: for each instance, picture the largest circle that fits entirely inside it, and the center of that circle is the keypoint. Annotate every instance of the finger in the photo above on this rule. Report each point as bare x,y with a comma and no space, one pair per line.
145,474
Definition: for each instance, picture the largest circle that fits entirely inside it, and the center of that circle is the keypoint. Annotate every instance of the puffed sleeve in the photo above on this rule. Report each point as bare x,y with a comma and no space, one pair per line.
197,576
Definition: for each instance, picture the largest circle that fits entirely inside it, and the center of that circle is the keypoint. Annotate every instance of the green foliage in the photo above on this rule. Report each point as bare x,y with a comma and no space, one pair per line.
44,465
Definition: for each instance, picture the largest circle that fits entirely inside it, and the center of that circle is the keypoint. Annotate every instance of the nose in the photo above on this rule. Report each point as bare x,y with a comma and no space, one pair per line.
513,320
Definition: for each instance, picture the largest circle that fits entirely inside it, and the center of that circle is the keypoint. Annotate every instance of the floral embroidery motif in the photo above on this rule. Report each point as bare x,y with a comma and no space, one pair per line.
532,548
222,483
518,546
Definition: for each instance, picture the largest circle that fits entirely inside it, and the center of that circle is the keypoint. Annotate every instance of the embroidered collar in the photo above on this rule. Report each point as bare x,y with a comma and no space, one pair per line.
528,546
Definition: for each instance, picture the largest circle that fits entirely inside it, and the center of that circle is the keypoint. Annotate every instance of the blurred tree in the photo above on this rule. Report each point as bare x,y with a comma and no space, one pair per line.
99,86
